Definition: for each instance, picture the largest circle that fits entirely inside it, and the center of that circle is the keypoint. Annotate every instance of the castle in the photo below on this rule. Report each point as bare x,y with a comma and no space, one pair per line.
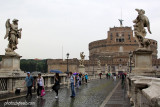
112,52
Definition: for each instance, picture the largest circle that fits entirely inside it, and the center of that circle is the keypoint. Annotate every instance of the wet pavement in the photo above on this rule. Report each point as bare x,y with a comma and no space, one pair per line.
88,95
119,97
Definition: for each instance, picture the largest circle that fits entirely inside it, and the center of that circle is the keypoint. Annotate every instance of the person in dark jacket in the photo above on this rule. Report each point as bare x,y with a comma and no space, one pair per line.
56,86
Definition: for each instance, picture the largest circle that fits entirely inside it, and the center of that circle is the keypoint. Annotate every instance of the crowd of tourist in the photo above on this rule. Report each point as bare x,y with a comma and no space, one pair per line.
76,79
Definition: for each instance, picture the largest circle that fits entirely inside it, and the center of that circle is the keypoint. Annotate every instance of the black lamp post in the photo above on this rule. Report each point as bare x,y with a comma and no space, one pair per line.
67,62
130,57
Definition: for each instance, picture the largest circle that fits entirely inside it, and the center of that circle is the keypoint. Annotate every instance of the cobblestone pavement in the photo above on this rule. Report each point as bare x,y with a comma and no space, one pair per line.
88,95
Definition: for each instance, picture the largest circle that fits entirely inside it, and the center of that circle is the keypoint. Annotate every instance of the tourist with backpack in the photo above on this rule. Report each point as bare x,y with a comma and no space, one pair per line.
73,82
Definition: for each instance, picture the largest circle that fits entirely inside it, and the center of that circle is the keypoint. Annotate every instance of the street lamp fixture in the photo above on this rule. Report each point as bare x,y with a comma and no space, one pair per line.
67,71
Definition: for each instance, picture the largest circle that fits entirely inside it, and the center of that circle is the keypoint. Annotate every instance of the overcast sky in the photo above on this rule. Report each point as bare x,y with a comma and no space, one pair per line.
49,25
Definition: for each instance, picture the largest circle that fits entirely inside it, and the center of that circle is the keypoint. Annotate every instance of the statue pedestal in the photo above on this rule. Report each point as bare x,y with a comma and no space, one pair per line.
143,63
81,69
99,70
10,65
106,69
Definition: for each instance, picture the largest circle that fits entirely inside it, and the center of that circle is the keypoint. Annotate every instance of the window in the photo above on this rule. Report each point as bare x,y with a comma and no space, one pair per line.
117,34
117,40
121,49
111,36
129,36
123,34
122,39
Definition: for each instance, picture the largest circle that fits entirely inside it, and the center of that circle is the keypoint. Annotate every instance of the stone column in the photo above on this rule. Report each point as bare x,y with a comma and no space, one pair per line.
106,69
49,81
46,82
81,69
9,85
64,79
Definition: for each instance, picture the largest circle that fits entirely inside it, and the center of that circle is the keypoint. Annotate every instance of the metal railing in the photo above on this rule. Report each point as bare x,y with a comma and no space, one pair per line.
3,84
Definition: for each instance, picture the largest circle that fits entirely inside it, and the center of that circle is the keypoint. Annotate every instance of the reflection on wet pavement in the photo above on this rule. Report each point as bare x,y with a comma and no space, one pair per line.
87,95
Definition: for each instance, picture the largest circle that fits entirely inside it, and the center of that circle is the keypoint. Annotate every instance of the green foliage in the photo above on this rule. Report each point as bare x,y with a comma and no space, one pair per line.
33,65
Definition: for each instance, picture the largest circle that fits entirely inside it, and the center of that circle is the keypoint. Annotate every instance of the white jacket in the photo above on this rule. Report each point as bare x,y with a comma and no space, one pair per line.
40,81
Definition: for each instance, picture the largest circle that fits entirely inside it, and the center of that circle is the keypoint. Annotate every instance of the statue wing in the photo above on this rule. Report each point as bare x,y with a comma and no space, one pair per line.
8,27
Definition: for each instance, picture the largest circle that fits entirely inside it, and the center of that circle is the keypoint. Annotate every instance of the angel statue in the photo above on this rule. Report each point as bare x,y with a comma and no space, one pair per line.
82,59
12,33
141,22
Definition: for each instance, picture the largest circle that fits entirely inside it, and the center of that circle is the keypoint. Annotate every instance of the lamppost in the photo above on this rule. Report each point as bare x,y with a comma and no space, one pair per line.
130,57
67,63
67,70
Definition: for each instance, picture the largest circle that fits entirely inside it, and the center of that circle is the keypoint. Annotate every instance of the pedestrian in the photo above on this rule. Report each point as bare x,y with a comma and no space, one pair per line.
77,82
109,75
72,80
100,74
114,76
29,83
40,85
83,77
80,78
86,77
123,78
106,75
56,86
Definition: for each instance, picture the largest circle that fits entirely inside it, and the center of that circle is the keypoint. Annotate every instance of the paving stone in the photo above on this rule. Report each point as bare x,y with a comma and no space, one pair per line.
119,98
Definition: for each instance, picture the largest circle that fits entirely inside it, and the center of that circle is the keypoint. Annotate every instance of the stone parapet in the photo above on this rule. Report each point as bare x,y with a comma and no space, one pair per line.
144,91
8,84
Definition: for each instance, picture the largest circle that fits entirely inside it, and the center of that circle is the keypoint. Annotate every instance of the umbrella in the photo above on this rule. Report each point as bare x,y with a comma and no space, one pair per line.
56,71
75,73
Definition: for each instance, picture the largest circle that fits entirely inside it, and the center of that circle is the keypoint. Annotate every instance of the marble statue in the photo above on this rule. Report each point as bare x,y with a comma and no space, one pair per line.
141,22
99,63
82,59
12,33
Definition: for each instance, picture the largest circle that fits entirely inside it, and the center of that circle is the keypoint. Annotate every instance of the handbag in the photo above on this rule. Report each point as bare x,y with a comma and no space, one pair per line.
43,92
56,87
